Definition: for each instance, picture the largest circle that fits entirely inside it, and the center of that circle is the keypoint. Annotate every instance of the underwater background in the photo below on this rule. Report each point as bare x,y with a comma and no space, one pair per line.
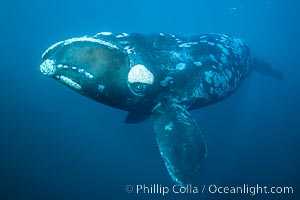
56,144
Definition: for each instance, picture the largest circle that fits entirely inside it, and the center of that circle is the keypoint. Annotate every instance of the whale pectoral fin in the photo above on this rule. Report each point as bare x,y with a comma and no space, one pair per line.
180,141
134,117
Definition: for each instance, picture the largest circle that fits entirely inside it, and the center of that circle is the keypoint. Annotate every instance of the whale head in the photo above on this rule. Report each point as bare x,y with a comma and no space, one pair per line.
97,69
92,67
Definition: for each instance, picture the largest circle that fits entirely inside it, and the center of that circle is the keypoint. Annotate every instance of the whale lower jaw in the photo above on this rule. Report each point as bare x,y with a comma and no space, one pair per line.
70,82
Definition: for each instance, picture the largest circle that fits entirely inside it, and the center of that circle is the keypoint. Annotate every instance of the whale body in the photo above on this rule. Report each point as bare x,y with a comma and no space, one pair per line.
162,75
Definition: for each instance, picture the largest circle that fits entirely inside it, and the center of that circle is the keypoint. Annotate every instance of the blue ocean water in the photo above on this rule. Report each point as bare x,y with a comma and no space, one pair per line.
57,144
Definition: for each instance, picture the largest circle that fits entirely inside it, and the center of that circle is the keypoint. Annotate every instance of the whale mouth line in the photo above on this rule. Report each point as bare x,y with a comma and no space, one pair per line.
63,72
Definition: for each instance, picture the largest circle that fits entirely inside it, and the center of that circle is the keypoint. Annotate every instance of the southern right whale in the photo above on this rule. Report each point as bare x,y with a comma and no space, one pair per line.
163,75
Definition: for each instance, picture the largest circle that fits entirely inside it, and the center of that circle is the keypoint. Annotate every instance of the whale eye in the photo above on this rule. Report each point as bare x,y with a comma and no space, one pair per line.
139,77
138,88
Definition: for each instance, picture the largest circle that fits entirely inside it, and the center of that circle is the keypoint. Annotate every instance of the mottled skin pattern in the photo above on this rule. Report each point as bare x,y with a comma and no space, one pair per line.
211,66
160,74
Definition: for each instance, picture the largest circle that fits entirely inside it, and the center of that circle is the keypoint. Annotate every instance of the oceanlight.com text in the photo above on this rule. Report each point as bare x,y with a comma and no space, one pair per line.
244,189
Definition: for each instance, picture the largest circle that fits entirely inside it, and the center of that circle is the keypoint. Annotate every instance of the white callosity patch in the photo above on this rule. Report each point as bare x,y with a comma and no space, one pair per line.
222,82
82,71
166,81
237,47
101,88
122,35
169,127
225,51
80,39
224,59
198,63
225,37
89,39
180,66
187,45
70,82
88,75
219,80
129,50
51,48
104,33
213,58
208,80
229,73
48,67
140,74
199,92
208,76
179,41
